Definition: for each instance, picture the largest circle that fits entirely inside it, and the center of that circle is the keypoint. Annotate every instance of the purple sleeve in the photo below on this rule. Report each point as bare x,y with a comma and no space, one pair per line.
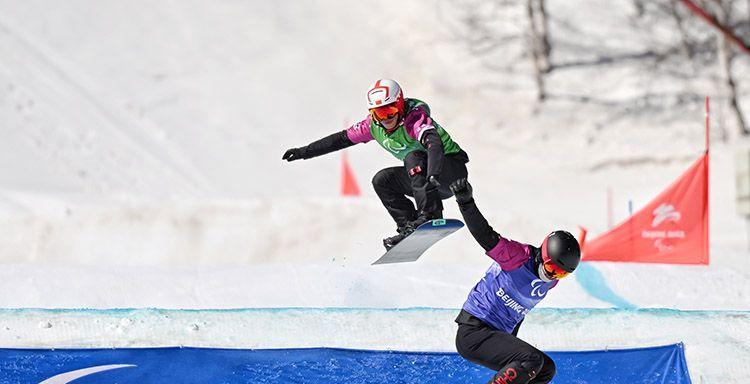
417,122
360,132
509,254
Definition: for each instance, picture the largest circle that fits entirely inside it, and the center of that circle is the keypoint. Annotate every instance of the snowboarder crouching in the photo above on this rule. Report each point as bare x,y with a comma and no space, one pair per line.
518,280
403,127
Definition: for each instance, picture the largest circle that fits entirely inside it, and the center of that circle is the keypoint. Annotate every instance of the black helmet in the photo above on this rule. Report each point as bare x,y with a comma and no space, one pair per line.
562,249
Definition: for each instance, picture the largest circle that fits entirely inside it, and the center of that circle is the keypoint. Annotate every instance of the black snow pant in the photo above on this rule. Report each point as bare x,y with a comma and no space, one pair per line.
499,351
393,184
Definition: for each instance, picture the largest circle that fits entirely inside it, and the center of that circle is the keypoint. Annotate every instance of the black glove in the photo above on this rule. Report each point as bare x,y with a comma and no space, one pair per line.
462,190
293,154
434,181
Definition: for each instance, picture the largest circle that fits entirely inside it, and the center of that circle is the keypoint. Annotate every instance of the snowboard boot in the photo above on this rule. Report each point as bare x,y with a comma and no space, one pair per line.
390,242
422,218
409,227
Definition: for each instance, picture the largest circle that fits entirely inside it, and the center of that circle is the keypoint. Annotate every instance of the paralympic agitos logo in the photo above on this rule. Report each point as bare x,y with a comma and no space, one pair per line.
536,287
393,145
663,239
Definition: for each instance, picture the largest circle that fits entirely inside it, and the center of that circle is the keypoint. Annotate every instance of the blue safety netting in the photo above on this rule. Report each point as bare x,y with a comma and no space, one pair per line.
662,365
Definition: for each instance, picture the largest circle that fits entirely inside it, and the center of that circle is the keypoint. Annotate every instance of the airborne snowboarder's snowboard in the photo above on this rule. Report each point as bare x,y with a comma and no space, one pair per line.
414,245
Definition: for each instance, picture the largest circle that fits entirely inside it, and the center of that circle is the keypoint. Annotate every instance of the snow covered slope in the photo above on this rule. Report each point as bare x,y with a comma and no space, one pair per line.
151,138
141,142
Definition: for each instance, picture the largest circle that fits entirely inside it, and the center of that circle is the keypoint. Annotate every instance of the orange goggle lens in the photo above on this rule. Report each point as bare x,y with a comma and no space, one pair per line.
384,112
554,271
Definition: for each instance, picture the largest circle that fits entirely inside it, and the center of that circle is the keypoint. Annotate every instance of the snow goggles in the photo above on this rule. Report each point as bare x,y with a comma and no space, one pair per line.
385,112
553,270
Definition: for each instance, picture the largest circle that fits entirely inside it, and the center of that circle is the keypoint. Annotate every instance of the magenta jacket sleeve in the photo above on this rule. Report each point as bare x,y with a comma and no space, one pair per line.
360,132
509,254
417,122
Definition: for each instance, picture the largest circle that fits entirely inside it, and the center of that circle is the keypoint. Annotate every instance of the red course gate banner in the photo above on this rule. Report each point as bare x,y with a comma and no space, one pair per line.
671,229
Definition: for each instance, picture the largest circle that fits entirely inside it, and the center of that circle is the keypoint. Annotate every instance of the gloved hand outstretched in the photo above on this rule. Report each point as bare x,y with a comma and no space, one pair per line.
293,154
462,190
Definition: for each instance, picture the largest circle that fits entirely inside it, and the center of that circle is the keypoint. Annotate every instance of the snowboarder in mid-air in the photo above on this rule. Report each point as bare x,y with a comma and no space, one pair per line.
517,281
404,127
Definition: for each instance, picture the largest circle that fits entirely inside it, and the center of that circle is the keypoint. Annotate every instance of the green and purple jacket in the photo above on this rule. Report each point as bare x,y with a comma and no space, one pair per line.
408,136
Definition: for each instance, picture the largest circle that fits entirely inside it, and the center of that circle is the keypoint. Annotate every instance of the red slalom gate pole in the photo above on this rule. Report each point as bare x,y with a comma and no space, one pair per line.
708,123
708,180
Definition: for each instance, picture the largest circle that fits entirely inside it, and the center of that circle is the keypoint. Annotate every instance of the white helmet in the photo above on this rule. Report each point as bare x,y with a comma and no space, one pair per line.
384,92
